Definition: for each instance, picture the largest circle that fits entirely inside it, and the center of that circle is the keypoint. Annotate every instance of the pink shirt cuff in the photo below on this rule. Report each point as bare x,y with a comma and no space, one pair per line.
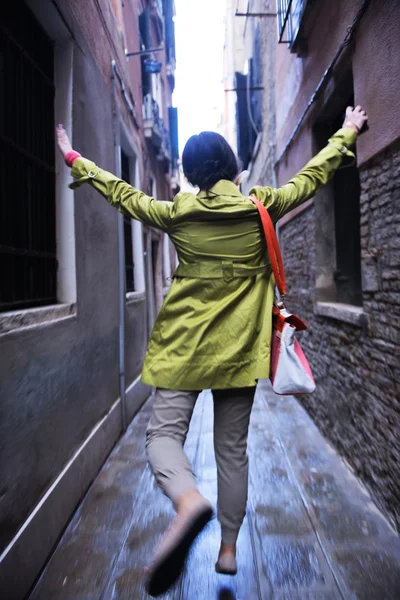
71,157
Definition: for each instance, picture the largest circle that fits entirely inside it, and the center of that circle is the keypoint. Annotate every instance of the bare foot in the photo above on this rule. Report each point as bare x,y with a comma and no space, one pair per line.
226,563
194,512
227,549
63,140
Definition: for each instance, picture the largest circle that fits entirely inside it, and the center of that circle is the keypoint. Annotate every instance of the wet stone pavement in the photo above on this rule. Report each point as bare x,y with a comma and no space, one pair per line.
311,532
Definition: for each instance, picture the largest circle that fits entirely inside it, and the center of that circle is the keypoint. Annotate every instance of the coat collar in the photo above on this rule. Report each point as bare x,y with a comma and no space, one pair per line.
221,188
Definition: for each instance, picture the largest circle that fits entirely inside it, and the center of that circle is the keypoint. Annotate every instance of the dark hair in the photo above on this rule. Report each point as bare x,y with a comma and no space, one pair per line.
208,158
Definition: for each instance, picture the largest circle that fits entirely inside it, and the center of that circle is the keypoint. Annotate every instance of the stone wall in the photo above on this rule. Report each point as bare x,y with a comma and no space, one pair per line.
357,402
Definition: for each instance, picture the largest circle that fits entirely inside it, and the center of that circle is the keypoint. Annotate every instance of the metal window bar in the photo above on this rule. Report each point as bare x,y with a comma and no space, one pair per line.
289,13
129,263
284,19
28,263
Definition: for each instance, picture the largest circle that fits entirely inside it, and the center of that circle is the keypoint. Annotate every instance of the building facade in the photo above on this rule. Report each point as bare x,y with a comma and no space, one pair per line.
72,331
250,87
342,247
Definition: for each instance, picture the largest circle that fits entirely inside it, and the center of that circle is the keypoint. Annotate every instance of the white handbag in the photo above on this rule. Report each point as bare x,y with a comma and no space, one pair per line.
290,372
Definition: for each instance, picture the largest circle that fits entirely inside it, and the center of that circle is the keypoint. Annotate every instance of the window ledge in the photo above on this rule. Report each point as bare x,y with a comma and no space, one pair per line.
133,297
30,317
347,313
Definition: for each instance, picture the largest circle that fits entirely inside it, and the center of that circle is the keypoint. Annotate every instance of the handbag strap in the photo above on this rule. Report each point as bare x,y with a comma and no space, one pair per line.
274,251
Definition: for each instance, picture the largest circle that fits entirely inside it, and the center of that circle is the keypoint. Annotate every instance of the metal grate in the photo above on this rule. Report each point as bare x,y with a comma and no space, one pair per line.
145,43
28,262
129,264
289,14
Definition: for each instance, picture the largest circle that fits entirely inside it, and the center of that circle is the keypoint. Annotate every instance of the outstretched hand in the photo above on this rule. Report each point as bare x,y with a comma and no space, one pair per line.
355,117
63,140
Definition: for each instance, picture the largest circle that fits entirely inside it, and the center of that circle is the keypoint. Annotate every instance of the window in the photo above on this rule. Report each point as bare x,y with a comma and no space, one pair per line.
346,184
158,92
170,40
129,264
151,86
338,213
145,43
166,260
28,263
133,229
249,106
174,138
245,134
289,13
158,284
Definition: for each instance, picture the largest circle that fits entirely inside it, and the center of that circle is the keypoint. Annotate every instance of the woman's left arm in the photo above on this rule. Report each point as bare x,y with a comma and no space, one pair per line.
317,172
127,199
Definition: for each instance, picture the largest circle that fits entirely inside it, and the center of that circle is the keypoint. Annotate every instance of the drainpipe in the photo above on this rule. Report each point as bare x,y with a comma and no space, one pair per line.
121,252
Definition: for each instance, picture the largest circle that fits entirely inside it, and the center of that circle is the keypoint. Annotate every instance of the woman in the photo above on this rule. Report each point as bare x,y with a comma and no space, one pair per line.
214,329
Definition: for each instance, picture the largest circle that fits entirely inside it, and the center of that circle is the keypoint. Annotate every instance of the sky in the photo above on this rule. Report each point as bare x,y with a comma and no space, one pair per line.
200,36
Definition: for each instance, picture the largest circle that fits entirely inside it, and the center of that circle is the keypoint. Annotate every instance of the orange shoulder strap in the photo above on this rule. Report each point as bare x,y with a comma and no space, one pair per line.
273,246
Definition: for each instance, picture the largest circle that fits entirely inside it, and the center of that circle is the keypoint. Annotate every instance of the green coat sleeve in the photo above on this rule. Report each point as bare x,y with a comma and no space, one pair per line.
315,174
124,197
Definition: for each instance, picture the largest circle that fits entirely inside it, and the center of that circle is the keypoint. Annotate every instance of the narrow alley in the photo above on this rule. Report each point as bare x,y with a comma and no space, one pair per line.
144,145
311,532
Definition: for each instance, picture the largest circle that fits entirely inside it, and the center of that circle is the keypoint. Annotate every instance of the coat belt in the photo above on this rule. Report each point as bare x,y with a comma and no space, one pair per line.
223,269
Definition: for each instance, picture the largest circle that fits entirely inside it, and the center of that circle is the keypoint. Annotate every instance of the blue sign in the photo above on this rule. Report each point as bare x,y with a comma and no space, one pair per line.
152,66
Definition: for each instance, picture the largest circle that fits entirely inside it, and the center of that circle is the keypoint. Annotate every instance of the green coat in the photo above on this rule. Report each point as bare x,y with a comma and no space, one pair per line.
214,328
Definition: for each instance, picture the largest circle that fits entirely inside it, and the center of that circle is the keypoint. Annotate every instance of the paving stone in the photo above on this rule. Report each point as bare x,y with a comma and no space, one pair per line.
286,517
132,449
308,455
371,574
353,524
121,472
272,473
79,568
292,565
318,594
105,509
322,488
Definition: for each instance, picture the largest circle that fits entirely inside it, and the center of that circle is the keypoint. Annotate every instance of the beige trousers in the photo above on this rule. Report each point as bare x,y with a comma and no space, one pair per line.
166,435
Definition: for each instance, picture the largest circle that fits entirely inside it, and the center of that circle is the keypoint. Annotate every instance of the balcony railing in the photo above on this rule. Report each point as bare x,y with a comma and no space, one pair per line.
290,13
155,130
164,153
152,122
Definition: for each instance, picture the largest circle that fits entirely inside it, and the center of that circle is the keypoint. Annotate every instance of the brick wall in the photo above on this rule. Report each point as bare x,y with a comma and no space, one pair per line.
357,402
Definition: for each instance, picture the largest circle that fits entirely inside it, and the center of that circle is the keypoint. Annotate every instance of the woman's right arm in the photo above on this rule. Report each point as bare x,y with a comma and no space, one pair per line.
127,199
317,172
